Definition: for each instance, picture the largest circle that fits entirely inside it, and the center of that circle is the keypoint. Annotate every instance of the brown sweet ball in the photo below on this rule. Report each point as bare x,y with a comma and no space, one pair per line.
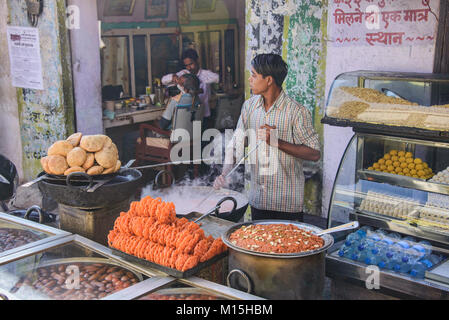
90,161
95,170
93,143
73,169
60,148
75,139
44,163
107,157
77,157
57,164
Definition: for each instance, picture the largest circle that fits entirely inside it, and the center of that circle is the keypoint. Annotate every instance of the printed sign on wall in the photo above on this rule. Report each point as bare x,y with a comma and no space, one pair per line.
382,22
25,57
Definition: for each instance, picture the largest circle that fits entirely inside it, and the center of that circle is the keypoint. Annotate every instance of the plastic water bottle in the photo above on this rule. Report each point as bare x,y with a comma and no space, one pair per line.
367,229
373,256
409,239
402,245
346,249
435,259
419,268
354,237
382,233
407,259
423,248
394,235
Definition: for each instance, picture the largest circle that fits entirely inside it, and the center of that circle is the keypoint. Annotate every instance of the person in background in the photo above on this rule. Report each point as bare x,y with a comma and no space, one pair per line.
206,77
287,129
187,101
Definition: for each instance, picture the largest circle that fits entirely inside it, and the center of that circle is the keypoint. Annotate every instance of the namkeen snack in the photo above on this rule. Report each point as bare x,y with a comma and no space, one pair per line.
275,238
402,163
150,230
92,154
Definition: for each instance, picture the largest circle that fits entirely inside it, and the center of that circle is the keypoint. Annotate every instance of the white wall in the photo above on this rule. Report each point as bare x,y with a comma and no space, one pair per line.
417,58
10,142
85,45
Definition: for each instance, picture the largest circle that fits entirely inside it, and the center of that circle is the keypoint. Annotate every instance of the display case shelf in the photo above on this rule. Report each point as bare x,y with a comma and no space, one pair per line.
402,181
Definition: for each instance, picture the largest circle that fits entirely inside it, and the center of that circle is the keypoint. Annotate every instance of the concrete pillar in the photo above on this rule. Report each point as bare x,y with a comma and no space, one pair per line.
85,48
10,143
45,116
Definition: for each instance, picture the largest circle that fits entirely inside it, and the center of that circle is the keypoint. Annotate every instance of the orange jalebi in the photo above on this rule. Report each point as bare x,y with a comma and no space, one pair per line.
150,230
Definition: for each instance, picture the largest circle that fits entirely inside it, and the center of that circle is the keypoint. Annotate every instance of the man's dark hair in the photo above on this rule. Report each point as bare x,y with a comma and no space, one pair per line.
190,53
191,84
270,64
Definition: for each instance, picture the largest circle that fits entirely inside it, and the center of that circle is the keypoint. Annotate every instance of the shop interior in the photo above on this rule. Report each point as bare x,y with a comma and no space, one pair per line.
143,40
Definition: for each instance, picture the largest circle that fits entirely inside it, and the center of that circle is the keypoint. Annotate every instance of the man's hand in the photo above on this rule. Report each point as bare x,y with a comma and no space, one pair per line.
268,134
220,182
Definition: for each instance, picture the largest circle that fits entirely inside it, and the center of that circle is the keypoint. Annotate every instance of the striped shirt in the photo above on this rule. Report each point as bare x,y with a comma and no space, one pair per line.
276,184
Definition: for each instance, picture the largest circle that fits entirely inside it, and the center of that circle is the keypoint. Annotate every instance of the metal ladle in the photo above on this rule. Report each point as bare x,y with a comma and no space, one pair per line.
347,226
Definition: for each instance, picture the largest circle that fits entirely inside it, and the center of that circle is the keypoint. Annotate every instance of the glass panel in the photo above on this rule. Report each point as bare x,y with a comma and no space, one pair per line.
394,99
396,183
343,194
115,67
164,55
210,51
13,235
140,64
180,291
68,272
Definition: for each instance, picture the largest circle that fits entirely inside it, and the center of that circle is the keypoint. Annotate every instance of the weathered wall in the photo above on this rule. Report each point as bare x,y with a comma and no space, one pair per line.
85,49
10,143
45,115
415,57
224,9
294,29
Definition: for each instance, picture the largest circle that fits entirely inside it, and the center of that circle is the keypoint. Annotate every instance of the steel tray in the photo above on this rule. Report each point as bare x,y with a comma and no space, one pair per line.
170,271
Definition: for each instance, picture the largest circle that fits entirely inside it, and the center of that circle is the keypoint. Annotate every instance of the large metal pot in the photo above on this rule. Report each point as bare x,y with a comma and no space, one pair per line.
296,276
119,188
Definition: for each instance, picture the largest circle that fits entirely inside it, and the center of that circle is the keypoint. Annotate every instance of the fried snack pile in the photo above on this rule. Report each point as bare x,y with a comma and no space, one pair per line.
150,230
92,154
375,96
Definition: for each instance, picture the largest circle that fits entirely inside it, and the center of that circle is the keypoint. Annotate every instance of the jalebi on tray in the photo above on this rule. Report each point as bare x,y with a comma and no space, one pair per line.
150,230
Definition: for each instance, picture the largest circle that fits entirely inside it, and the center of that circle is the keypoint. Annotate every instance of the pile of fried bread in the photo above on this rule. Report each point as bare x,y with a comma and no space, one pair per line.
92,154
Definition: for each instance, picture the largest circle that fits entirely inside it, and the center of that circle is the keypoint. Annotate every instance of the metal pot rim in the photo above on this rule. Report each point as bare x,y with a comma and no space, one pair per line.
223,192
328,239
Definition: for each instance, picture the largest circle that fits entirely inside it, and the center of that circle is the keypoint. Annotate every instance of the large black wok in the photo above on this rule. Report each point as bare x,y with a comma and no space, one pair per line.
118,189
188,199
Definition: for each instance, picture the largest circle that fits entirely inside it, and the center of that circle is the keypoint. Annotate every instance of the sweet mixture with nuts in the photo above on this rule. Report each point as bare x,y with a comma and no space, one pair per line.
275,238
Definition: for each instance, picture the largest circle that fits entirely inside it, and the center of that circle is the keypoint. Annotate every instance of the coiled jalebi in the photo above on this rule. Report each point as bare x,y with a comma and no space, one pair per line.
150,230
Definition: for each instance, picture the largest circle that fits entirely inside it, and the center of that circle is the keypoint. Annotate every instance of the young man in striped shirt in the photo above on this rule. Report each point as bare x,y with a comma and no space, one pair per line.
285,126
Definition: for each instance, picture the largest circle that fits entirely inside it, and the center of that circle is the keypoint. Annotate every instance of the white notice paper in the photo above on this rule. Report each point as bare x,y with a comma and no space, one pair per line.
25,57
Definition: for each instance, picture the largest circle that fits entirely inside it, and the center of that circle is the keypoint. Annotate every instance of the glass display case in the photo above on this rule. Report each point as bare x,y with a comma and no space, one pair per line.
18,234
399,102
169,288
69,268
394,179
